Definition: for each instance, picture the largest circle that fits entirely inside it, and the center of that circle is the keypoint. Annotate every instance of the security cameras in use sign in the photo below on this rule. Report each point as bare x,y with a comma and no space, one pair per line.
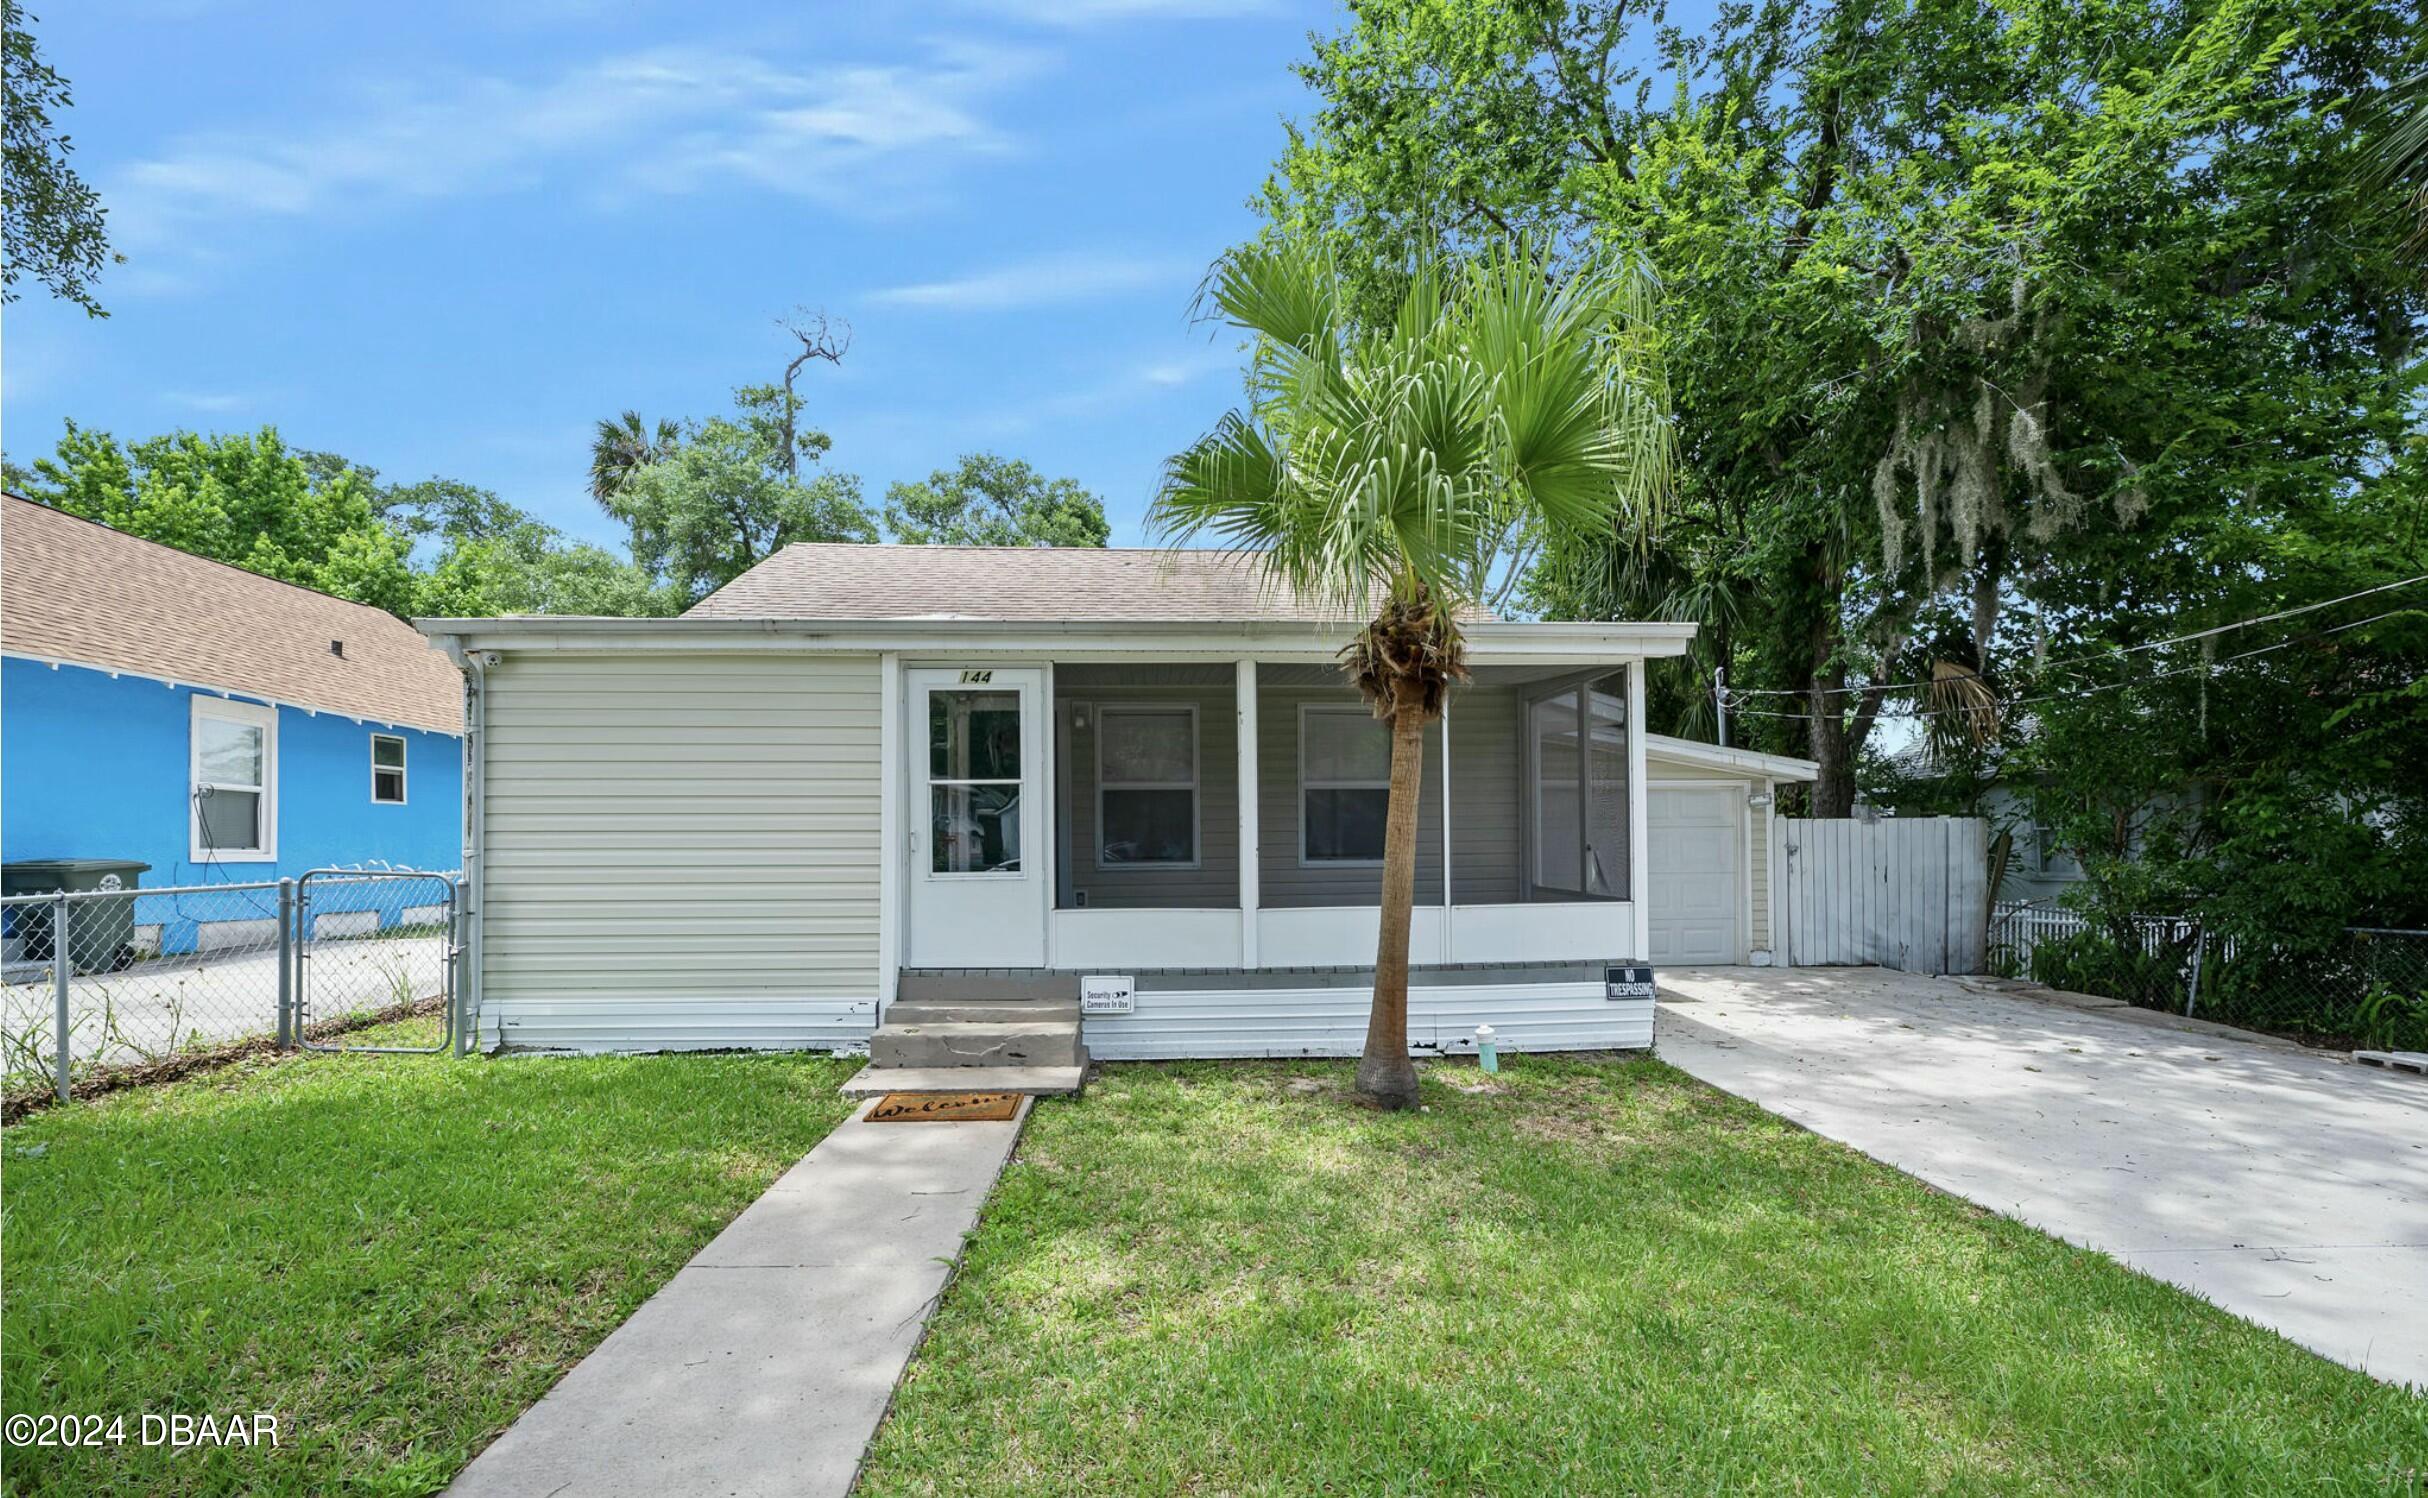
1627,982
1107,993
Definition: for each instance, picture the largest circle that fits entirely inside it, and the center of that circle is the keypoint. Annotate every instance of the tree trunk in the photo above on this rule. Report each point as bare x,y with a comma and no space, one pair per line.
1833,791
1386,1075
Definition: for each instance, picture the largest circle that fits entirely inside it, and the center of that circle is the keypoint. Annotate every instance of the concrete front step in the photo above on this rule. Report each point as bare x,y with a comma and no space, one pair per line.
1039,1081
945,1012
977,1043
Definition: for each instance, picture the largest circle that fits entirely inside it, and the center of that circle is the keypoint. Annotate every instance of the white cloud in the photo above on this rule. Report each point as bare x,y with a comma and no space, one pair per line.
209,402
669,121
1048,280
1135,382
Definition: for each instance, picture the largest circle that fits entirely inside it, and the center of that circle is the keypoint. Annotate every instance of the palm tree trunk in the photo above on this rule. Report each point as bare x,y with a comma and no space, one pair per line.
1386,1075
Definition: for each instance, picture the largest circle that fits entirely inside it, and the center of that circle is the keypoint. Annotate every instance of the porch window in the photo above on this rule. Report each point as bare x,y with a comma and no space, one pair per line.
233,782
1344,780
1576,742
1146,786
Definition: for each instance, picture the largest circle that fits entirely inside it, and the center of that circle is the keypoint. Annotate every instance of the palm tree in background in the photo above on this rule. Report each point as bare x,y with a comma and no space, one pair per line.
622,447
1407,471
2400,158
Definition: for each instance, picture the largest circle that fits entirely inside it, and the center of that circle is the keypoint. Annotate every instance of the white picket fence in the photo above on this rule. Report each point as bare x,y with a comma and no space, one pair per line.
2019,927
1910,893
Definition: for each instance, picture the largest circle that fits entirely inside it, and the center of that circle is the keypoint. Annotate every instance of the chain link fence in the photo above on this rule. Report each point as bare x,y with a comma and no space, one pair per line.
2366,988
100,987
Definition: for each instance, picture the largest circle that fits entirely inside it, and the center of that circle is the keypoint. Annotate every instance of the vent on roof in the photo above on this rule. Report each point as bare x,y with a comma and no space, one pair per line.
338,648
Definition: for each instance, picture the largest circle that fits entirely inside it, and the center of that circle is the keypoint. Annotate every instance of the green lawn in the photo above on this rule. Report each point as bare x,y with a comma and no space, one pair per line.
395,1254
1595,1278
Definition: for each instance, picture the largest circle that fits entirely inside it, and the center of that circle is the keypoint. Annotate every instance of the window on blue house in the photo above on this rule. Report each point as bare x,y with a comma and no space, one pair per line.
388,769
234,781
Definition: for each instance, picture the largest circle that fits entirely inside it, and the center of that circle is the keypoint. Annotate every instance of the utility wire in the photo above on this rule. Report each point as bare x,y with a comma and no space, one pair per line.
2113,686
2072,660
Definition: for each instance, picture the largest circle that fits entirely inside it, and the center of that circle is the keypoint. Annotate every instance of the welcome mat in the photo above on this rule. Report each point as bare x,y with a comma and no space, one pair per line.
946,1107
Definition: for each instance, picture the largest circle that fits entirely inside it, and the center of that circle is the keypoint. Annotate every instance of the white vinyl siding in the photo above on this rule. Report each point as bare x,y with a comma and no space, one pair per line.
681,851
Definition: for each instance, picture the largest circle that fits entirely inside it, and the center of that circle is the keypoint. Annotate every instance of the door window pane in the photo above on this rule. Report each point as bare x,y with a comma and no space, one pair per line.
1150,826
973,735
1345,825
976,829
231,819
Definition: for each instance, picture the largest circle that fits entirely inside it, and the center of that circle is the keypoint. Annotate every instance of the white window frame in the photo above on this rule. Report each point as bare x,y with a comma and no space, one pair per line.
252,715
404,756
1307,710
1197,829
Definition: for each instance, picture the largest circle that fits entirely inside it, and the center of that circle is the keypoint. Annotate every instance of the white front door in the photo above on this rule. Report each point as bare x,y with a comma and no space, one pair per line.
1697,855
977,817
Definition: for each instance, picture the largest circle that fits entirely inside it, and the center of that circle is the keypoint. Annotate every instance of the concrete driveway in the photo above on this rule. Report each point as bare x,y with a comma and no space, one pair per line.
2289,1187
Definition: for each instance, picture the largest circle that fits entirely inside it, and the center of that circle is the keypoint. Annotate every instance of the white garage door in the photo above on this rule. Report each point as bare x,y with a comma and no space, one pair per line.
1698,861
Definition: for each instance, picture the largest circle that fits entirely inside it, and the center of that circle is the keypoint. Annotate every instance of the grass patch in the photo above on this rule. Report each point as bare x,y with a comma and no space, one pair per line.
1590,1277
397,1254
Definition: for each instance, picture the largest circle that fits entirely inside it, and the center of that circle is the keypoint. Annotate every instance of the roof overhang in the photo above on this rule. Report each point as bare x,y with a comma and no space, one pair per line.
1741,761
1579,643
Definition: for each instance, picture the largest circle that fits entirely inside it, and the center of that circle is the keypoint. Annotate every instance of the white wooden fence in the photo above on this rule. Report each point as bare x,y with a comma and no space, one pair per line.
1905,892
2018,927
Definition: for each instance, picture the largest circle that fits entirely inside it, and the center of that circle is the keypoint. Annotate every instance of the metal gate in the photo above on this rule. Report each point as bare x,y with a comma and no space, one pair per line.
373,944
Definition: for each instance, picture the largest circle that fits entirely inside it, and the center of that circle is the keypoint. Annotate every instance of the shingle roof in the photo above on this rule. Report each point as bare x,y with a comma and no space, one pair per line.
74,590
830,580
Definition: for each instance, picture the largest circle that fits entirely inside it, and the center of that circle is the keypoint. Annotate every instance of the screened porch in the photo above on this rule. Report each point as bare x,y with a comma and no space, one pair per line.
1230,815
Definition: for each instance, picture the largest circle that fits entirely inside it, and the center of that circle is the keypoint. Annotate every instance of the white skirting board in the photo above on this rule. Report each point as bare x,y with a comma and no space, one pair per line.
677,1022
1172,1025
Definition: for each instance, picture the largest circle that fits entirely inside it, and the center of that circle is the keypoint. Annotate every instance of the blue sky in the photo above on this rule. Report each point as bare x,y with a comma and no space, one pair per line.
447,238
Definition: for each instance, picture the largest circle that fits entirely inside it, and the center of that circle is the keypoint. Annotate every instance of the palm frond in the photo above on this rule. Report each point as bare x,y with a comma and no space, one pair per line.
1501,400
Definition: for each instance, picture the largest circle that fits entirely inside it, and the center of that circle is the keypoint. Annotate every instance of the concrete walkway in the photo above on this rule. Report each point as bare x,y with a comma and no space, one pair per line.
766,1363
2284,1185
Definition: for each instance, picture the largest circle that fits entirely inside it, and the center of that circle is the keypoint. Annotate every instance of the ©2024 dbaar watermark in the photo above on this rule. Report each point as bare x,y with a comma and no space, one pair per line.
176,1431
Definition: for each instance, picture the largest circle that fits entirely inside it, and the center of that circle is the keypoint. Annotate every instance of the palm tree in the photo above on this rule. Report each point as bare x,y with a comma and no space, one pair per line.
622,447
1403,470
2399,158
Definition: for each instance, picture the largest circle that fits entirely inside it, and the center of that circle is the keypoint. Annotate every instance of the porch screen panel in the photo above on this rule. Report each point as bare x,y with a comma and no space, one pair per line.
1559,850
1606,788
1577,803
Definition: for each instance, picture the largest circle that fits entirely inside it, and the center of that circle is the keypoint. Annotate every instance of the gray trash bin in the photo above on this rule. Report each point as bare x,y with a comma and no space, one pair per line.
101,933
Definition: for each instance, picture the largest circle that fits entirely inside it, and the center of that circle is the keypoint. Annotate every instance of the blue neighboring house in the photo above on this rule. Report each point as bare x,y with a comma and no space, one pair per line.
218,725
